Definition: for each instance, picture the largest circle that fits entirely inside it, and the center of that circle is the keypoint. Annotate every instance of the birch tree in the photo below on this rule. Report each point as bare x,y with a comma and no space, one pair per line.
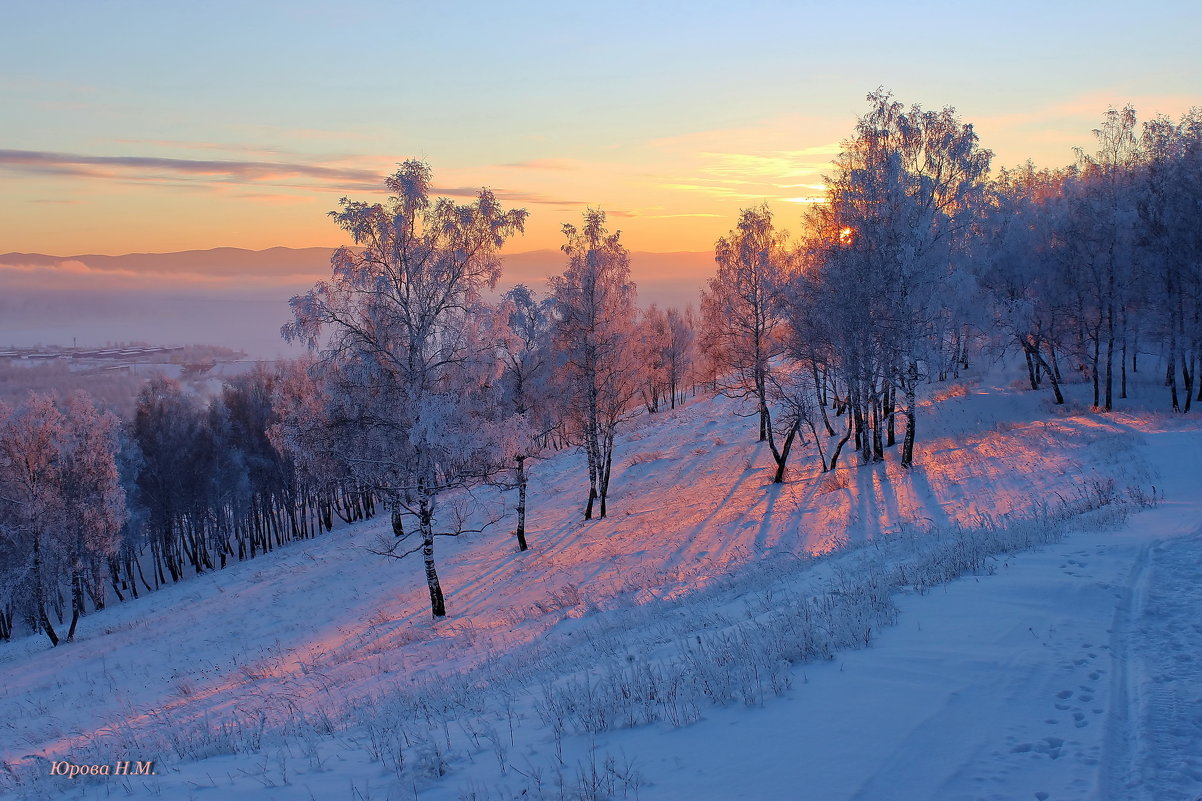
741,311
61,506
397,323
595,336
901,208
526,388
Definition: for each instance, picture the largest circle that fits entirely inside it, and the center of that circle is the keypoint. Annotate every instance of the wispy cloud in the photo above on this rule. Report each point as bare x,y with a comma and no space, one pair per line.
155,168
767,160
209,173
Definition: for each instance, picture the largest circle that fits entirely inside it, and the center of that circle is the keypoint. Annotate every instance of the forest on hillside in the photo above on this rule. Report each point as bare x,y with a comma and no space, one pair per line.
920,261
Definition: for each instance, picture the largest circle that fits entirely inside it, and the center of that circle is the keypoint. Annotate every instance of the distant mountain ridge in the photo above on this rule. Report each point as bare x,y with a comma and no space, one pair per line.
665,278
214,261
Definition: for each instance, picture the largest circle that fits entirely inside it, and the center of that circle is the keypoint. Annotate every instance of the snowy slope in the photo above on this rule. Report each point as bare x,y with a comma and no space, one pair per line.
316,672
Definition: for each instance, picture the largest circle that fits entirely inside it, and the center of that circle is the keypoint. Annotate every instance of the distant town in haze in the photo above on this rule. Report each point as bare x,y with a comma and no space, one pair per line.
230,297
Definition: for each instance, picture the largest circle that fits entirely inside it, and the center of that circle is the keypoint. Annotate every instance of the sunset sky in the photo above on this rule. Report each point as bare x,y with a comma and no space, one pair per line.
151,126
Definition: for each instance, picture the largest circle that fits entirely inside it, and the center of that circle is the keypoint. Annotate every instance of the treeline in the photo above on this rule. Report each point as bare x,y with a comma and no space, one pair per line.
416,387
93,508
918,260
1099,264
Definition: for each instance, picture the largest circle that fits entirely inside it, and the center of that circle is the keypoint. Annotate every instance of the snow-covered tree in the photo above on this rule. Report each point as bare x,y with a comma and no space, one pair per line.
61,506
595,335
1097,265
1020,271
1098,238
175,482
1168,202
315,447
653,344
901,206
397,329
526,390
741,310
680,352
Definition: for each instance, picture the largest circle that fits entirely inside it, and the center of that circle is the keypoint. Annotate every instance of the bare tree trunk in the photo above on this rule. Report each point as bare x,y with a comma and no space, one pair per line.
115,577
592,485
820,393
782,456
862,438
1109,357
521,529
76,602
761,394
1197,365
1097,363
438,606
1030,365
95,589
817,443
839,445
890,408
1187,379
908,444
1053,375
39,591
592,446
878,445
607,468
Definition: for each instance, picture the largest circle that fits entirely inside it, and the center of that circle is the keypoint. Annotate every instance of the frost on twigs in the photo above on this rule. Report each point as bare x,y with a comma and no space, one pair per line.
405,361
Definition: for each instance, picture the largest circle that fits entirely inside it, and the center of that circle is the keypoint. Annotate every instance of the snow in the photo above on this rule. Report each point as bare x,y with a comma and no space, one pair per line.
1066,671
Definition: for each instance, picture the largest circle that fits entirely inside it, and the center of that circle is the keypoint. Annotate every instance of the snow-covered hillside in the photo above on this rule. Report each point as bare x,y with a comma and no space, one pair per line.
717,637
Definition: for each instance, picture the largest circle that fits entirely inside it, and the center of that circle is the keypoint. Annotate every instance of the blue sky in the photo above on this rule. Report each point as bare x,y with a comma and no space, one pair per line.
136,126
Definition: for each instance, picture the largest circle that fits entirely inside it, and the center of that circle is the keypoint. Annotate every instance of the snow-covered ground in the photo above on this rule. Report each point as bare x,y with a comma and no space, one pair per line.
706,641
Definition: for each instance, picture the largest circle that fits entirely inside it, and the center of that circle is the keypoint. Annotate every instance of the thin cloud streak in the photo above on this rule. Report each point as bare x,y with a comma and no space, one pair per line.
159,171
42,162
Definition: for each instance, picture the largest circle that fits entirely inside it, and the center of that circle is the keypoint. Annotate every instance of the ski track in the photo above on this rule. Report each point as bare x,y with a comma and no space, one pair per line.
1167,644
1122,779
